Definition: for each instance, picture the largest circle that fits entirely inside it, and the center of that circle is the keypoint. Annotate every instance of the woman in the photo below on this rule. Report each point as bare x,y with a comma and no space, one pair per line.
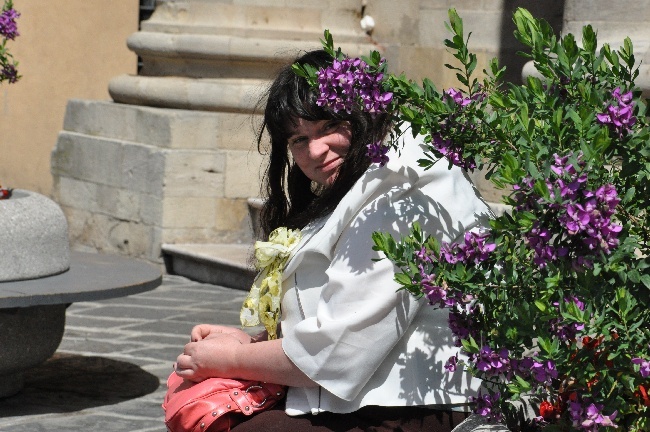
352,348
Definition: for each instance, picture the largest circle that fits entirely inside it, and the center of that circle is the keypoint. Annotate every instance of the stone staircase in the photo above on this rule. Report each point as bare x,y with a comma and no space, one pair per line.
224,264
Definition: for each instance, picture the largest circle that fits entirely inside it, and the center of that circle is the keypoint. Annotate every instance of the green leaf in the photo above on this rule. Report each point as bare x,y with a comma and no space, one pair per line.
470,345
403,279
589,40
541,305
456,22
544,344
542,189
645,279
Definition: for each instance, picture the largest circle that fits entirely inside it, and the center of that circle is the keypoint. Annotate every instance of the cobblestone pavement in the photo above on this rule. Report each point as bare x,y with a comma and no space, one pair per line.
110,370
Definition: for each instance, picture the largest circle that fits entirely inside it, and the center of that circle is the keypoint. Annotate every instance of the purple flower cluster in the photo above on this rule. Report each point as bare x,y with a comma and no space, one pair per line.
9,73
491,362
349,81
452,363
566,332
463,322
644,366
494,363
452,152
587,416
584,217
437,295
8,27
619,116
460,99
486,405
474,249
592,219
377,153
544,371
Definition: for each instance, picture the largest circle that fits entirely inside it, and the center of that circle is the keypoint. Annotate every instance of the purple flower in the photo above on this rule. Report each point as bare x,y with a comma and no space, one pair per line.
423,255
377,153
9,73
349,82
622,98
544,371
457,97
566,332
644,366
462,322
620,116
452,152
8,27
584,216
474,249
587,416
522,367
486,406
452,363
491,362
460,99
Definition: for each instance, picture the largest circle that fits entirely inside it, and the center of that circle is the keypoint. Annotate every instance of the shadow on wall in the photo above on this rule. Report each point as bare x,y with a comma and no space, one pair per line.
551,11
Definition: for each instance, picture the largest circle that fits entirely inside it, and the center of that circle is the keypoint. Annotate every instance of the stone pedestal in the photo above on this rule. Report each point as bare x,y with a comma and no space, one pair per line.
29,336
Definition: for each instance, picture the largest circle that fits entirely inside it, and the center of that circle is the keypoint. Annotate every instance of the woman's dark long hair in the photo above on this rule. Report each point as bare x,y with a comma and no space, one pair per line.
290,200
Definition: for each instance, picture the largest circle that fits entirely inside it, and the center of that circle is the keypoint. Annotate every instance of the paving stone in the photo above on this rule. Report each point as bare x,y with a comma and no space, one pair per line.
110,370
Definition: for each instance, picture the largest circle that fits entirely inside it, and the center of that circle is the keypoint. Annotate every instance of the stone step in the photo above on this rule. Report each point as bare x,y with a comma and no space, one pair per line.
227,265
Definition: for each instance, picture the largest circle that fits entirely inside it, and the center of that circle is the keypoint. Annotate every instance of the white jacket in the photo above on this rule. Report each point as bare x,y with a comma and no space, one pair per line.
343,322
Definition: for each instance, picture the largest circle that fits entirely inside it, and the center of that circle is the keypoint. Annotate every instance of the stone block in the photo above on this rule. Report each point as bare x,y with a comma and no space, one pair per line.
188,212
244,172
485,26
624,11
77,193
142,169
105,233
194,173
237,131
101,118
150,210
119,203
404,19
84,157
128,238
193,129
232,214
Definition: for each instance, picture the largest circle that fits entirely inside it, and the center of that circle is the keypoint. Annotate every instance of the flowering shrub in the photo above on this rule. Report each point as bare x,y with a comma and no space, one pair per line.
8,31
552,300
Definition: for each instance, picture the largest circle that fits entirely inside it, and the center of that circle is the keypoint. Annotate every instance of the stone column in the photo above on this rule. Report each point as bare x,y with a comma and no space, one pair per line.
172,159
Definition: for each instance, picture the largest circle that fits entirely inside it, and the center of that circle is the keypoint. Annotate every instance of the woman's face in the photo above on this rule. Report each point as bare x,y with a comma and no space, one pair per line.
319,147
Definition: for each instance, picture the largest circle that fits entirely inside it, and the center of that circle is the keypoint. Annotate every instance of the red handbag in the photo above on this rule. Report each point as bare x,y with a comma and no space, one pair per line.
216,404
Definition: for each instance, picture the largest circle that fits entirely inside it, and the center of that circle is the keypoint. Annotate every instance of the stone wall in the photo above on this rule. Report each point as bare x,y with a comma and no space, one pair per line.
130,178
172,159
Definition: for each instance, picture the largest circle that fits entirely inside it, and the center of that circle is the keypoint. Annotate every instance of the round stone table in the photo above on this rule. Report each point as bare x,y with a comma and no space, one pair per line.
32,312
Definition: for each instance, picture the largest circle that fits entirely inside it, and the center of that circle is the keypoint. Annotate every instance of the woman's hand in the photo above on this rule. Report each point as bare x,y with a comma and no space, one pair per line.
207,331
214,355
